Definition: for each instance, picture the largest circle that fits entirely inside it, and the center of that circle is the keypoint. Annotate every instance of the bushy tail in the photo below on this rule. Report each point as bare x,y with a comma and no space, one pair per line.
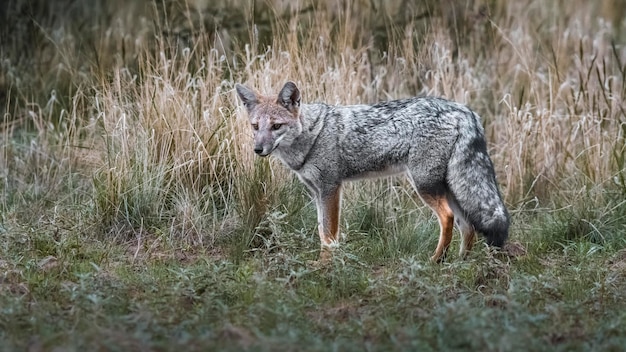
472,182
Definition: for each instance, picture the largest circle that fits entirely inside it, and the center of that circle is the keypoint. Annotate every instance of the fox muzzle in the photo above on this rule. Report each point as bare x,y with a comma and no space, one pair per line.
262,150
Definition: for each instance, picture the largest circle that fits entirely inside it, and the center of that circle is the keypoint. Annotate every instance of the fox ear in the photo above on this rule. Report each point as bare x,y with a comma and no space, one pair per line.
289,97
247,96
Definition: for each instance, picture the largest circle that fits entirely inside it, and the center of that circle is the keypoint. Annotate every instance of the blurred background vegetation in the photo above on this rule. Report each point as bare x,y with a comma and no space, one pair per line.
123,145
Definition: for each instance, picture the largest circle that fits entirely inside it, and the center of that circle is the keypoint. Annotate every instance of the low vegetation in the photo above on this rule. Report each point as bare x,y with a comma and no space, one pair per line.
135,216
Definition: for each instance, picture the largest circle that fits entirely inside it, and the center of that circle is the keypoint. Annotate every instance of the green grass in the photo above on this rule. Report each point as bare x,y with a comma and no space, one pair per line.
64,289
134,215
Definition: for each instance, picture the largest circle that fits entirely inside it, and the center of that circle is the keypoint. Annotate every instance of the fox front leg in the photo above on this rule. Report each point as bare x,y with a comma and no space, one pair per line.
328,204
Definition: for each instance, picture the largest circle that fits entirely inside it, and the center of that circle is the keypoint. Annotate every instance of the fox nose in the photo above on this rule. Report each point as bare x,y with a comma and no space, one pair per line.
258,150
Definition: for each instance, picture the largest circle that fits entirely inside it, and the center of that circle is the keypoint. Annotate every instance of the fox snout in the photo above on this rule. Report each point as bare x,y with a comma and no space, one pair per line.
262,151
264,142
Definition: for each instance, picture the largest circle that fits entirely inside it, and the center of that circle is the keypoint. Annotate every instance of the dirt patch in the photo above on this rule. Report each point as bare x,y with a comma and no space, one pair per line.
344,311
237,334
514,249
618,262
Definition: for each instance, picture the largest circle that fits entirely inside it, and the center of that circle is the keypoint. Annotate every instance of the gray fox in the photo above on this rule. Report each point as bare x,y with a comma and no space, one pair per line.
438,144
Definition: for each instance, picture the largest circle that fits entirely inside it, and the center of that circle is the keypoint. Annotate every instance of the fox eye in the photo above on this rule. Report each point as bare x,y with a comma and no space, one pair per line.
276,126
255,126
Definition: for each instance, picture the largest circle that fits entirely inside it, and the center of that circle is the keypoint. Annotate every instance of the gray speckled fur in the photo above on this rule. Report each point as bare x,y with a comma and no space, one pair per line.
439,144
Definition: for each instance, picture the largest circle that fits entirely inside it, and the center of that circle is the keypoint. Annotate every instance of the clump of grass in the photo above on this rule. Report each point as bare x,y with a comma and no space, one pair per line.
567,116
164,138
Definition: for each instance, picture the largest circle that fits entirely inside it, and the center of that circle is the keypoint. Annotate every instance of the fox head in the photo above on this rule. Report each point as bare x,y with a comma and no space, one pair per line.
275,120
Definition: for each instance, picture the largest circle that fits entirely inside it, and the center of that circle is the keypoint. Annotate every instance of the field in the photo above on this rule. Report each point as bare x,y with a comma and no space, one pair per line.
134,215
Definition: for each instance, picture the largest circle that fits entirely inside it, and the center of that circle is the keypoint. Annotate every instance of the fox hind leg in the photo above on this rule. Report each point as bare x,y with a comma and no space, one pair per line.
468,233
439,204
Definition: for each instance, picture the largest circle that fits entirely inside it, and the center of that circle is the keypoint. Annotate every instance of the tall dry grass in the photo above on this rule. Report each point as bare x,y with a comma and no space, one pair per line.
136,101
